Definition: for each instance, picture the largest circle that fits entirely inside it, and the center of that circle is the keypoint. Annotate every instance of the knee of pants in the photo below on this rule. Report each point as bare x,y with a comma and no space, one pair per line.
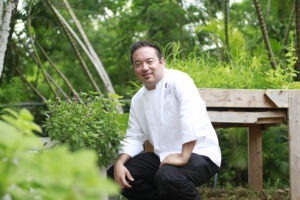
166,177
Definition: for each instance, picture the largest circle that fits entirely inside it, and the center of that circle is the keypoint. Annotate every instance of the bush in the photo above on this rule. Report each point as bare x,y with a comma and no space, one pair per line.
93,124
28,171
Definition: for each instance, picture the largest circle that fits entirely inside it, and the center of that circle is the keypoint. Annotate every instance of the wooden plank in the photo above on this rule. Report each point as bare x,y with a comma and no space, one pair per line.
243,98
278,97
243,117
255,164
294,141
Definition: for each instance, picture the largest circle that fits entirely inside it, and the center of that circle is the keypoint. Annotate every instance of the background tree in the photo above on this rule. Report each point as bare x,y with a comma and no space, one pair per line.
276,20
265,33
226,22
6,11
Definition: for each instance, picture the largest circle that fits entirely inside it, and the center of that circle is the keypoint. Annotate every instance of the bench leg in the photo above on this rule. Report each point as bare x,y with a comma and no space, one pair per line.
255,166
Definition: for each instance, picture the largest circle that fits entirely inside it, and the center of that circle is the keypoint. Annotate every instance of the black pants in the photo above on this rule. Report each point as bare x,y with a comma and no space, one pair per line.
152,182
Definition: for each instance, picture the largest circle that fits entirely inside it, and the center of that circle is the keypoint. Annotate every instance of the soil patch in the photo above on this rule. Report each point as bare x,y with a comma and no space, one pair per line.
243,193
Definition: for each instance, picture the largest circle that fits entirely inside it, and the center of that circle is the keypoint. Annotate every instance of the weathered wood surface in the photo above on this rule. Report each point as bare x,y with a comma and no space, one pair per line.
247,117
255,161
241,98
294,143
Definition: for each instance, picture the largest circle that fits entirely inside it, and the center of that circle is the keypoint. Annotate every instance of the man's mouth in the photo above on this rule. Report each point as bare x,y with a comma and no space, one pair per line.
147,75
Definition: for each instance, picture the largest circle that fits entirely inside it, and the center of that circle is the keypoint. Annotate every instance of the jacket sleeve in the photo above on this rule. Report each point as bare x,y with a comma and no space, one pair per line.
134,138
194,119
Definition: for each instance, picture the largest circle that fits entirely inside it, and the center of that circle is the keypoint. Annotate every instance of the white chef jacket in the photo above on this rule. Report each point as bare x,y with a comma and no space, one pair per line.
169,116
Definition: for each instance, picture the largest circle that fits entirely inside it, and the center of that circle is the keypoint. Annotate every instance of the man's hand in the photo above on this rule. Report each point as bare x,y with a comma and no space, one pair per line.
180,159
121,174
177,159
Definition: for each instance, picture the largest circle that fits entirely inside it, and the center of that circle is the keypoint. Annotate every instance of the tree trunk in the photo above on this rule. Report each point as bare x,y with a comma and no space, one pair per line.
226,22
297,21
265,33
80,58
4,27
31,86
59,72
287,31
103,74
36,58
88,50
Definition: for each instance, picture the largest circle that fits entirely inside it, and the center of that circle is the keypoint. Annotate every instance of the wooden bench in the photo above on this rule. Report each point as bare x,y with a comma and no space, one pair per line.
256,109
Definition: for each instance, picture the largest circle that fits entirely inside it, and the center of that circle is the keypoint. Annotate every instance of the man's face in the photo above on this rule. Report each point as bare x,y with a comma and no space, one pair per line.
147,67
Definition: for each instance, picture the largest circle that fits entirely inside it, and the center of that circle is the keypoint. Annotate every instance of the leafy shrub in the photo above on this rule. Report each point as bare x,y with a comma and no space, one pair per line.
28,171
276,156
93,124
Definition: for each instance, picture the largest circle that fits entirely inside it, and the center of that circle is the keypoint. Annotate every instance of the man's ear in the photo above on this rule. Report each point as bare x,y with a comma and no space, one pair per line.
162,60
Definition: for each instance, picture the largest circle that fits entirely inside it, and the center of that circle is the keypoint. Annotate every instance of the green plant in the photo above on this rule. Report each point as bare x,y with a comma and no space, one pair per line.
13,91
93,124
28,171
276,156
233,171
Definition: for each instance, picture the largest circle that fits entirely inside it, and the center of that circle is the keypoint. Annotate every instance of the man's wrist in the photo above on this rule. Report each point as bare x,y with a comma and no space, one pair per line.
185,156
122,159
119,162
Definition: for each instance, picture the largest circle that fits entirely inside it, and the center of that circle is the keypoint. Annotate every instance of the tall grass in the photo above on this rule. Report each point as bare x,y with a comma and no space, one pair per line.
242,69
245,72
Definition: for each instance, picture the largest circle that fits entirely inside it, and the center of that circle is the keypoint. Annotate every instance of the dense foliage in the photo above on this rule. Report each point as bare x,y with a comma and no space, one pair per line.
197,27
93,125
29,171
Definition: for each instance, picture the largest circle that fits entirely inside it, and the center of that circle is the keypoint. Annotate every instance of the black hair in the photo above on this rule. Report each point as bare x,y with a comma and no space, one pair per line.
140,44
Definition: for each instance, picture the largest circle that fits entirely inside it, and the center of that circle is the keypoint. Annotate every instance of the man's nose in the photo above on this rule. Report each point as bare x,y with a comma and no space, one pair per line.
145,66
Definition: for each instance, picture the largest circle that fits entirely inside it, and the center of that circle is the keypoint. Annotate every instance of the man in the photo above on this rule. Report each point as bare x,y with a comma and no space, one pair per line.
168,112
